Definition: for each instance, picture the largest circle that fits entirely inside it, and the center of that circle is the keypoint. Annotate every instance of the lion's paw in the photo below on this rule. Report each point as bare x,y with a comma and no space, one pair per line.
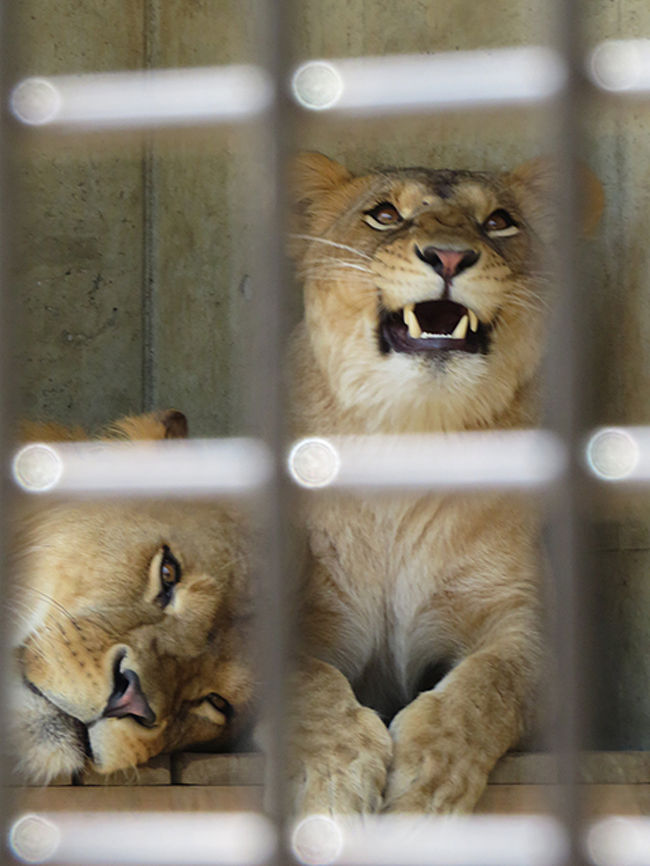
341,769
434,770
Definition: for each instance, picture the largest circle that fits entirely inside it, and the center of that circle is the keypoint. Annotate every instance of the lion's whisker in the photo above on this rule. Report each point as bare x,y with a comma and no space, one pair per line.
50,599
328,242
332,272
339,263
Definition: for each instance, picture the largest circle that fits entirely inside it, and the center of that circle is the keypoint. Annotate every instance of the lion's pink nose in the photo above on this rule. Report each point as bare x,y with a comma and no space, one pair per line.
127,697
447,263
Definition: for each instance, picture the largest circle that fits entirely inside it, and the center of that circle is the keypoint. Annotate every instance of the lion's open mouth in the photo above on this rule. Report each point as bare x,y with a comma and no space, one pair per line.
434,327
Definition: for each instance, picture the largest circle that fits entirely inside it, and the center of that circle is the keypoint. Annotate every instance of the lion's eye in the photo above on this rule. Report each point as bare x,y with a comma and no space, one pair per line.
169,573
500,224
220,704
382,216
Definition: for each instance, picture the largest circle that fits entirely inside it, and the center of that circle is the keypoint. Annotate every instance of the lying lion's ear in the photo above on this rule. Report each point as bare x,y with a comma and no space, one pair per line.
167,424
536,182
174,423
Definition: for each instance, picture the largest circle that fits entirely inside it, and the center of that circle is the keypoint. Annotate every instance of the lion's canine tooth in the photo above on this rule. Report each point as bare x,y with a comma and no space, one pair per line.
411,321
461,329
473,320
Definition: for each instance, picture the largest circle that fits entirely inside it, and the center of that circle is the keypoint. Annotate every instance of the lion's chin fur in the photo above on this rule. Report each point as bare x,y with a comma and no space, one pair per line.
348,386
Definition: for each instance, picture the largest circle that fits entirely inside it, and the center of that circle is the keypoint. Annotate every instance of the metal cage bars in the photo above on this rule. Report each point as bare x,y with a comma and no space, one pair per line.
552,461
363,86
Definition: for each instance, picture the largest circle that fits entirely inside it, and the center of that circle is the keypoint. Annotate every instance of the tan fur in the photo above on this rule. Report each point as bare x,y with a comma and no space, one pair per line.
87,578
165,424
397,585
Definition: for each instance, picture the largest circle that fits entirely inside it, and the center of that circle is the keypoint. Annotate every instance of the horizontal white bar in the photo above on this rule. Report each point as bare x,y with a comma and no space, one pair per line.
364,85
176,838
619,841
509,459
143,98
247,838
174,467
499,460
478,840
621,66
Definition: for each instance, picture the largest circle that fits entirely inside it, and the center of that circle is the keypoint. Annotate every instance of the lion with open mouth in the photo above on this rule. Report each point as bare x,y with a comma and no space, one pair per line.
426,298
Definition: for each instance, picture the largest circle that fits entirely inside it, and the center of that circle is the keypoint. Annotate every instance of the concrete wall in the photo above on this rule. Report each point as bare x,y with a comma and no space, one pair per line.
133,265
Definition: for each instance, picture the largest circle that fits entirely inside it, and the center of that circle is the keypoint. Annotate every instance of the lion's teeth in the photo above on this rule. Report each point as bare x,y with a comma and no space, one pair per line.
461,329
470,320
411,322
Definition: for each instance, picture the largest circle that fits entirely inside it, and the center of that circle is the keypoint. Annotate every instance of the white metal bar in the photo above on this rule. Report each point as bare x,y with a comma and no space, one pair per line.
171,97
476,840
366,85
143,98
521,459
378,85
513,459
217,839
174,467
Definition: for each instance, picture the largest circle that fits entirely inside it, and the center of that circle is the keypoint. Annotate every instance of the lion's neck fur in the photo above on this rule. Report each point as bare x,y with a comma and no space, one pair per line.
325,403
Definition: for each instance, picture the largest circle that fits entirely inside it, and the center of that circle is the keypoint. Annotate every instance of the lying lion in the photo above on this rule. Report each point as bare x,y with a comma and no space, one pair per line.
130,624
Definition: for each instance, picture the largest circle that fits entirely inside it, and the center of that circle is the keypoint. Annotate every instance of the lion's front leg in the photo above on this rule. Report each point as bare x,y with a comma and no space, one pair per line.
447,740
339,751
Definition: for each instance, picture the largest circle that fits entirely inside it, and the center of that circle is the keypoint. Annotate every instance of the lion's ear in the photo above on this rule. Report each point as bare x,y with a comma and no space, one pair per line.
535,183
313,178
174,423
167,424
312,174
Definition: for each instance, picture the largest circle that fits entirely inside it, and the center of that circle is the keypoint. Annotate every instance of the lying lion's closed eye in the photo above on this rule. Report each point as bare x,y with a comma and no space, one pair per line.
220,704
214,708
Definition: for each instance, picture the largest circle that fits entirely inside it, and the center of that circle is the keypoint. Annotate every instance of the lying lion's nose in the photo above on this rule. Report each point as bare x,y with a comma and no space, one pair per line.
127,697
447,263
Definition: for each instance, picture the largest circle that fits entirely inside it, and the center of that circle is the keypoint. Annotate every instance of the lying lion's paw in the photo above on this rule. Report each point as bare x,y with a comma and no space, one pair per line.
434,770
339,769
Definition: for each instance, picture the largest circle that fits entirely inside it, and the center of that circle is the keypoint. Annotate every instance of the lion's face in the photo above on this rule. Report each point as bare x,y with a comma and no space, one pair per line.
130,639
425,294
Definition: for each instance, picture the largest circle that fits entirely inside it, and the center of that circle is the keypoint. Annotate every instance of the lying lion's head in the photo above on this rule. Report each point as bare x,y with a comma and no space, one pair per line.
130,633
426,291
